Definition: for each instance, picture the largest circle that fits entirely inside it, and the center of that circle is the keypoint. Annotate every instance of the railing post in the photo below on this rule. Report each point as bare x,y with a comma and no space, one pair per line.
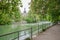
25,32
46,26
31,33
49,24
42,26
38,29
18,35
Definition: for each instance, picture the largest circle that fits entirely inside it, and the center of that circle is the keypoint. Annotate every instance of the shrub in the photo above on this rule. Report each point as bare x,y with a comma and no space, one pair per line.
27,39
32,18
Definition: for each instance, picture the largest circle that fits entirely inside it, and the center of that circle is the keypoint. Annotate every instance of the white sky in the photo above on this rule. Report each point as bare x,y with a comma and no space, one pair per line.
25,5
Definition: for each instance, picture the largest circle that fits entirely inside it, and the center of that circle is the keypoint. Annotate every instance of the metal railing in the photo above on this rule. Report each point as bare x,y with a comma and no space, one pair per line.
39,27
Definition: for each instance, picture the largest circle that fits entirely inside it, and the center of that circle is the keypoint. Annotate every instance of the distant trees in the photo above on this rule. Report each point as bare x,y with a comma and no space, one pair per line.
9,11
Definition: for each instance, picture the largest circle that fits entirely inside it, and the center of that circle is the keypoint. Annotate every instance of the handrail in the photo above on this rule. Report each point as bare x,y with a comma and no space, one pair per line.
13,32
24,33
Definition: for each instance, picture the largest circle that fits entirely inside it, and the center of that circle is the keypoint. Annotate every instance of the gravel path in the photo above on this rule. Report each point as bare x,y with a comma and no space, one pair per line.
52,33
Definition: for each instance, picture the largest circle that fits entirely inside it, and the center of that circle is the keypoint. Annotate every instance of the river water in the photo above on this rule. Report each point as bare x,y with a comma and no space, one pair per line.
5,29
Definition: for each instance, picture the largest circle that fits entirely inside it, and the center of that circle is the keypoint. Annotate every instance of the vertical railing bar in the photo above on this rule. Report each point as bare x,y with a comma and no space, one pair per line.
38,29
18,35
25,32
31,33
46,26
42,26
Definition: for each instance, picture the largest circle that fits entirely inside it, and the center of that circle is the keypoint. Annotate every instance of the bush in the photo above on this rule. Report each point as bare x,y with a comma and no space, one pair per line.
5,19
32,18
27,39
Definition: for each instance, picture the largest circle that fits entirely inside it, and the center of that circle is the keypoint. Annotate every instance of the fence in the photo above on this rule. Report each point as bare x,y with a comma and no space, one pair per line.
31,31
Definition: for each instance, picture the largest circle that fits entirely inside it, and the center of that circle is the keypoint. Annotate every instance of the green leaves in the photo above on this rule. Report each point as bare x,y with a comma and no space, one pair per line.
49,7
32,18
9,11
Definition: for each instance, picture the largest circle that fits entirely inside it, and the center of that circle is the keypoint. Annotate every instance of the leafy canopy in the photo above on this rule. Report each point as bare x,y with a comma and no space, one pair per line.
9,11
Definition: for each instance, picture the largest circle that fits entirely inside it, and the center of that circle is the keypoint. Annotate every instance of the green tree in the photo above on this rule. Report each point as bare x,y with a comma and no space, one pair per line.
9,11
47,9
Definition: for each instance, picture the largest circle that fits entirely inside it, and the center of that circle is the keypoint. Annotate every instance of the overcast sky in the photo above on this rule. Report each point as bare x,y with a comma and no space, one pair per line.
25,5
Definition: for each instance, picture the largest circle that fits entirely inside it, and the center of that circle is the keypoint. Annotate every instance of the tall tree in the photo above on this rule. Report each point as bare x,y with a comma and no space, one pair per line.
9,11
48,9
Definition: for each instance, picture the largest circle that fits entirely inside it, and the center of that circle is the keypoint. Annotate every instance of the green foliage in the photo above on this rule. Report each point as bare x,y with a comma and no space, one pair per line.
4,19
54,10
47,9
27,39
32,18
9,11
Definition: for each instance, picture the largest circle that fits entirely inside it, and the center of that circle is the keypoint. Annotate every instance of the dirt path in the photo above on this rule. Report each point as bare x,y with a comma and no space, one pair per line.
52,33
